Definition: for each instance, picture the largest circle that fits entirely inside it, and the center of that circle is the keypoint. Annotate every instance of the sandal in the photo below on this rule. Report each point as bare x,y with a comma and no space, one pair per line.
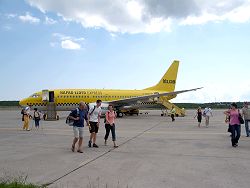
115,146
79,151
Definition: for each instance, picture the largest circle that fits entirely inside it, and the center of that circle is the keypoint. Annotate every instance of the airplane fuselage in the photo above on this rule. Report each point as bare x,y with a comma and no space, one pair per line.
67,99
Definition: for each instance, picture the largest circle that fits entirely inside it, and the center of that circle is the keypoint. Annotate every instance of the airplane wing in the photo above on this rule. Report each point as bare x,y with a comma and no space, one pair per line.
127,101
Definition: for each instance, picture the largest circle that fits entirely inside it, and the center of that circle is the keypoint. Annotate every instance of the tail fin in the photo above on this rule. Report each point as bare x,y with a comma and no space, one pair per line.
168,81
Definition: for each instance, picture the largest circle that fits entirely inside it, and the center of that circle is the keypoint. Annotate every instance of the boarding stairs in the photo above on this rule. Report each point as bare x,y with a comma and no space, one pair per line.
168,105
51,111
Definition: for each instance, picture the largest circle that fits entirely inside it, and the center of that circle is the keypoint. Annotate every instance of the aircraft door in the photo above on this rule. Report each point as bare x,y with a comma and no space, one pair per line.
51,96
45,95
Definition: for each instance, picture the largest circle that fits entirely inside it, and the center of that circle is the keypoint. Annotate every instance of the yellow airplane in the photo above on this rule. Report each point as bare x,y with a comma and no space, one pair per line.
123,100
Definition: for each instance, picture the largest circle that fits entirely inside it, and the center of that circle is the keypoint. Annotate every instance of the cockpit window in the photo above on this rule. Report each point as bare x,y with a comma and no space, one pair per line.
35,95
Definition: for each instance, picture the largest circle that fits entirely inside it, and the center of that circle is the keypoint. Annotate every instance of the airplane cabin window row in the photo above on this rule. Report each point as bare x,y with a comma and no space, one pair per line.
78,96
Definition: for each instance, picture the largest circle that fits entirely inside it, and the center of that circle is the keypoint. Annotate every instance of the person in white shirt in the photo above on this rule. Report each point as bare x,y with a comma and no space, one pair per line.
94,116
207,113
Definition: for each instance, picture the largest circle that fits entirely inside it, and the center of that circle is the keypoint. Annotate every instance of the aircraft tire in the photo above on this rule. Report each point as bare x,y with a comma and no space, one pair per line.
45,117
119,114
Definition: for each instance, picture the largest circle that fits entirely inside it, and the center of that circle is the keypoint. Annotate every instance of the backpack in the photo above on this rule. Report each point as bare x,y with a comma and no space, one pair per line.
38,115
241,120
70,121
204,113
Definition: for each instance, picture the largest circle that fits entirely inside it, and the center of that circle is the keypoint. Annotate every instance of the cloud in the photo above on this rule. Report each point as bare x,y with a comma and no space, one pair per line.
65,37
49,21
145,16
115,16
67,42
28,18
239,14
9,16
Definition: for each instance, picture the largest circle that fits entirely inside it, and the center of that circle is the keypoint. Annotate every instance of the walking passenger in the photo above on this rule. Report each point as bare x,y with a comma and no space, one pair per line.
234,114
26,118
227,120
37,118
172,112
79,115
199,116
207,113
246,114
110,125
94,116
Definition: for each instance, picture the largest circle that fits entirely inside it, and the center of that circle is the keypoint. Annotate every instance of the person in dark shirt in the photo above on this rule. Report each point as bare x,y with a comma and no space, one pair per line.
199,116
79,115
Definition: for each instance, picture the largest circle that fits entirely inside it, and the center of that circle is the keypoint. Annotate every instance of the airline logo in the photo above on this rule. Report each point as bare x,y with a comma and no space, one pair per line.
165,81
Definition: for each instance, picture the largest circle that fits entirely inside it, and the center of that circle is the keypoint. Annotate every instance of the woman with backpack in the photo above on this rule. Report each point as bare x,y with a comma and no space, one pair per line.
37,118
110,125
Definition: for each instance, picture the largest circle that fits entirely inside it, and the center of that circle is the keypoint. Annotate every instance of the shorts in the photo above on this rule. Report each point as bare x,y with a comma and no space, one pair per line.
78,132
93,128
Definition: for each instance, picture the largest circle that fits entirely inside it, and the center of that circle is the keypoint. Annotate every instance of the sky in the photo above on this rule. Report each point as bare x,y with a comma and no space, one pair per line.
125,44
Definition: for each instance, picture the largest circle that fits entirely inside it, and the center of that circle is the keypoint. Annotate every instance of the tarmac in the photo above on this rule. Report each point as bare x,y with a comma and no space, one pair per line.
152,152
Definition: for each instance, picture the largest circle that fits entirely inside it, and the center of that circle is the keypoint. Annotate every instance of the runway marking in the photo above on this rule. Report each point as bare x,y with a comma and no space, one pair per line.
96,158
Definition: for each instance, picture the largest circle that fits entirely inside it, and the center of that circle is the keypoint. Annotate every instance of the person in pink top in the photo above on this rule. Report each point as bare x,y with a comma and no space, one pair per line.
110,125
234,123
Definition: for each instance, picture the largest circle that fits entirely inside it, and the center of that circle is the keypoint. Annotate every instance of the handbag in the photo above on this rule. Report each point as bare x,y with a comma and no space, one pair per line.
69,121
240,118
